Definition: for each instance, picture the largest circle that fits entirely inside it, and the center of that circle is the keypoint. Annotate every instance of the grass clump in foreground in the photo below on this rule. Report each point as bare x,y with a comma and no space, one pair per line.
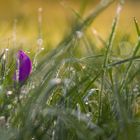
75,92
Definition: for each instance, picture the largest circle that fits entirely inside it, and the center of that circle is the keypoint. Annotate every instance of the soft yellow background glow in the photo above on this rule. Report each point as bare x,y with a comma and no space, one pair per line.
57,16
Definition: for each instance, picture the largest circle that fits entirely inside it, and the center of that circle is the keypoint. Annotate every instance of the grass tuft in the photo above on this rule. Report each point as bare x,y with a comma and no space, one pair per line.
76,91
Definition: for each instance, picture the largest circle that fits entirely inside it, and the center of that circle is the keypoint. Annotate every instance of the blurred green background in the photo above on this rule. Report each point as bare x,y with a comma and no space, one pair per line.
57,15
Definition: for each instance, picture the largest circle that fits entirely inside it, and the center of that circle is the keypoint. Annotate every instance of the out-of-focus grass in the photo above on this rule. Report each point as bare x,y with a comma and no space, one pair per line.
56,18
76,91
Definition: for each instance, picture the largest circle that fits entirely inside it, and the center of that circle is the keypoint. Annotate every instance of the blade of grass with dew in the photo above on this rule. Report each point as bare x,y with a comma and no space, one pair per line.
128,69
107,55
88,20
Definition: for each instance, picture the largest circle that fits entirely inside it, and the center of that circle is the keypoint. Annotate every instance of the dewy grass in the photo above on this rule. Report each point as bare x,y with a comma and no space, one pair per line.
107,55
75,92
133,55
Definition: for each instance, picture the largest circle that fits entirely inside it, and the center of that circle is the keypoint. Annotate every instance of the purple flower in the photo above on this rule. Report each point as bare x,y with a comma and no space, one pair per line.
24,67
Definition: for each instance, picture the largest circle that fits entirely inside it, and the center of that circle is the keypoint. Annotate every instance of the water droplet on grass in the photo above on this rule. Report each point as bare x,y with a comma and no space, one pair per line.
7,49
56,81
86,102
42,48
40,42
89,93
79,34
9,92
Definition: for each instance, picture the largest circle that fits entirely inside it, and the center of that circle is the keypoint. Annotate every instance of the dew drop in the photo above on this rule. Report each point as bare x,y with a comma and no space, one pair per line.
9,92
56,81
79,34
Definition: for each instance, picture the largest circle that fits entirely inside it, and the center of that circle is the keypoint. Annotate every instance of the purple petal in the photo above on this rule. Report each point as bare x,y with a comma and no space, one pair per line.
25,66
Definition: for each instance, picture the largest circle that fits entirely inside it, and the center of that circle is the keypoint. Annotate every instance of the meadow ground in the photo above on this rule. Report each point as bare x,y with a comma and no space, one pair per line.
84,83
